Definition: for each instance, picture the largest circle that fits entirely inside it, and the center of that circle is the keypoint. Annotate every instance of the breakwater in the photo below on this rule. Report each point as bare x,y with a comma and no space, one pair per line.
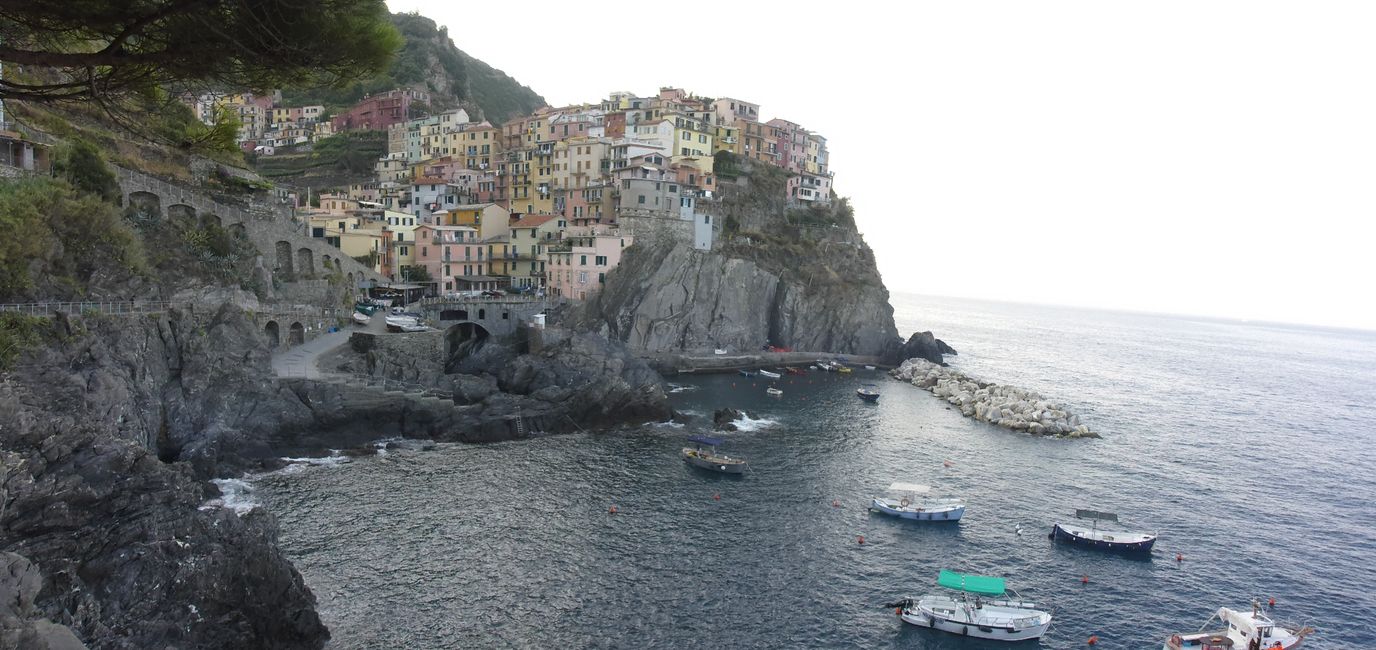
1007,406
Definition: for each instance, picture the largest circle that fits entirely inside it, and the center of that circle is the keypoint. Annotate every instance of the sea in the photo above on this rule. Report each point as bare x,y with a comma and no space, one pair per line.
1249,448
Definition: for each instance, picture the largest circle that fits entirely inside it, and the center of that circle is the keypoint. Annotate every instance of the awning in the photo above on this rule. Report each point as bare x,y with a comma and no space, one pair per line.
910,487
984,585
704,440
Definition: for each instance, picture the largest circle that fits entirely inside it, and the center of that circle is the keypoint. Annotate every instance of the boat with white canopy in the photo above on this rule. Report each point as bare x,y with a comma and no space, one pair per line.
1096,535
1239,630
914,501
984,608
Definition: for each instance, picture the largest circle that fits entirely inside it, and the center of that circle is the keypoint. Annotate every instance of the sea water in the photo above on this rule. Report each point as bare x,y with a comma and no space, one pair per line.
1248,447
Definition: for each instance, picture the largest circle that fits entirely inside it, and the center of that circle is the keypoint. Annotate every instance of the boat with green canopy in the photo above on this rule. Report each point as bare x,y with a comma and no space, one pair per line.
984,608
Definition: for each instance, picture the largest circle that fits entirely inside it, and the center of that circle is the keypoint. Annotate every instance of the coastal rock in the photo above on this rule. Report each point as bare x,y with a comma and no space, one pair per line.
923,345
1005,406
20,582
723,419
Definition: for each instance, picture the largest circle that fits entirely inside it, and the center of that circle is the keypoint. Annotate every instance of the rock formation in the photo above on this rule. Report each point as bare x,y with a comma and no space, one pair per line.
1006,406
923,345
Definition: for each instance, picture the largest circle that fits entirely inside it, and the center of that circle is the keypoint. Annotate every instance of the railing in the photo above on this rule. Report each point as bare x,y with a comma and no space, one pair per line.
102,307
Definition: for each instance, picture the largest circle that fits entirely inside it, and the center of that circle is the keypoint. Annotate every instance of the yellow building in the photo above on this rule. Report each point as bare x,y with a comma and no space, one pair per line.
727,139
578,161
694,140
477,146
489,219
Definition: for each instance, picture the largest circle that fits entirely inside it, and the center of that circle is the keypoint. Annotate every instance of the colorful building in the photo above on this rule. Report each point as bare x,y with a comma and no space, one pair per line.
578,265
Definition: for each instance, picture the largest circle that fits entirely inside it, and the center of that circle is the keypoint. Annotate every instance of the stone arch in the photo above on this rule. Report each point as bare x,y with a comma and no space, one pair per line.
182,212
297,334
454,314
210,218
274,334
148,203
238,230
457,335
305,261
284,257
325,261
350,279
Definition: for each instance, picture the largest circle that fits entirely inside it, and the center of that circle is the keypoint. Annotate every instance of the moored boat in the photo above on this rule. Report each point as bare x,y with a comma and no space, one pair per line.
1094,536
913,502
746,373
773,391
845,370
361,318
984,608
1240,630
771,375
868,393
794,371
709,458
869,367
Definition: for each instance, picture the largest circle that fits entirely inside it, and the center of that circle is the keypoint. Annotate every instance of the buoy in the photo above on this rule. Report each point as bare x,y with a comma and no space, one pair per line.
862,539
947,463
716,497
1271,602
898,610
1093,639
1084,580
611,510
733,384
835,503
1179,557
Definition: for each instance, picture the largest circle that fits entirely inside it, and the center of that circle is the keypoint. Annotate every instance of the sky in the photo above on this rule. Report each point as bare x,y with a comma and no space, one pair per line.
1214,158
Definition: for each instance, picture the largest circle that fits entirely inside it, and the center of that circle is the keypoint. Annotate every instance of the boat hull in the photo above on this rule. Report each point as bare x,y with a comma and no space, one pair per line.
868,397
919,512
926,618
735,466
1090,541
771,375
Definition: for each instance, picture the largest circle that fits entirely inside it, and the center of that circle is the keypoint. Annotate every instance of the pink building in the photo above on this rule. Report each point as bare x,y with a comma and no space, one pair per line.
378,112
454,258
579,268
790,141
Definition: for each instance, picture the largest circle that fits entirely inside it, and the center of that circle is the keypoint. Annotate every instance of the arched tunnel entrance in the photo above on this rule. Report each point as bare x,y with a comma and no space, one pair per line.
461,340
273,334
297,335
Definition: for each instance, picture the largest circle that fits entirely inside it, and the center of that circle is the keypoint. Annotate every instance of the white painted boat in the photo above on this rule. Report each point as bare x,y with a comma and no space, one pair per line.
771,375
398,323
983,608
1239,630
914,501
869,367
773,391
361,318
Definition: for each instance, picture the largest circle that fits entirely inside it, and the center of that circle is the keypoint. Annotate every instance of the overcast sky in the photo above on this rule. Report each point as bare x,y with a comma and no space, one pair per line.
1214,158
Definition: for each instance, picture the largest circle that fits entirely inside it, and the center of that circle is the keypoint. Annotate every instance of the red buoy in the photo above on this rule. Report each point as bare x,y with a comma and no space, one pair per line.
1179,557
1084,580
716,497
862,539
1093,639
1271,602
611,510
898,610
835,503
947,463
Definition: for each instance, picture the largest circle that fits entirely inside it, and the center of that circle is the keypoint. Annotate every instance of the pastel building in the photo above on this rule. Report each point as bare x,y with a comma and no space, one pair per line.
578,266
454,258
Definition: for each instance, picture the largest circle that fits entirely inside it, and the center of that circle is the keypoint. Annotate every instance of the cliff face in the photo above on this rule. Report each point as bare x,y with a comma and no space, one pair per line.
794,277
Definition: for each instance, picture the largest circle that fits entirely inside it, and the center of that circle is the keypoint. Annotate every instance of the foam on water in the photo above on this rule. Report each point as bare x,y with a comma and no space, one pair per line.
747,423
681,388
236,494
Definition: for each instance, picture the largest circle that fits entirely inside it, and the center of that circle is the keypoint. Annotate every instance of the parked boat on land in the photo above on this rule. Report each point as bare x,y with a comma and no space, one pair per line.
361,318
984,608
773,391
1094,535
1239,630
705,456
913,501
365,309
771,375
400,323
868,393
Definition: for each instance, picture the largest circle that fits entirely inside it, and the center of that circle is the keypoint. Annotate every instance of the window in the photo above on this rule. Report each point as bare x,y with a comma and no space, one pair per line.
600,260
641,199
583,260
702,139
506,315
687,136
482,313
582,277
424,252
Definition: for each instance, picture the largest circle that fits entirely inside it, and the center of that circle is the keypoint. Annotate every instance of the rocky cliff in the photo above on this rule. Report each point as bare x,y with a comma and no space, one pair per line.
795,277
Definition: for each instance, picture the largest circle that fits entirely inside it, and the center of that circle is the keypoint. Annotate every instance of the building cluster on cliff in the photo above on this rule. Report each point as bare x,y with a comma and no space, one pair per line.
545,202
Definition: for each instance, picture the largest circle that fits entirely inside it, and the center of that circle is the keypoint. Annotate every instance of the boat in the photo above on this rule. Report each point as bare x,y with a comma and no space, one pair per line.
361,318
398,323
869,367
718,351
747,373
708,458
845,370
365,308
773,391
868,393
985,609
913,502
414,327
794,371
1094,536
1239,630
771,375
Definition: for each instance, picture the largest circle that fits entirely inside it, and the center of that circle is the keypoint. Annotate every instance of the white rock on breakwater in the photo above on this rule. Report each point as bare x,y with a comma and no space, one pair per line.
1007,406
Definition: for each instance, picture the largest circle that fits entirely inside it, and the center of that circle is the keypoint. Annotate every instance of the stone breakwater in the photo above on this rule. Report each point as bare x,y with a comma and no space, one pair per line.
1007,406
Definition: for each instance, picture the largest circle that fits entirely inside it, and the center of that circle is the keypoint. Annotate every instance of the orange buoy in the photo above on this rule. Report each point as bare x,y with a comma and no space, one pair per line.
862,539
611,510
1179,557
898,610
1271,602
716,497
1084,580
1093,639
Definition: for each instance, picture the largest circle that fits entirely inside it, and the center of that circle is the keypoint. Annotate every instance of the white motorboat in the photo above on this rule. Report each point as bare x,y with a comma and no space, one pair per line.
984,608
1241,630
773,391
400,323
771,375
913,501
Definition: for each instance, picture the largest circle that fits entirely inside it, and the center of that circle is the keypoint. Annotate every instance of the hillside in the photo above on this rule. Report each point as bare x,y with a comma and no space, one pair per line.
430,59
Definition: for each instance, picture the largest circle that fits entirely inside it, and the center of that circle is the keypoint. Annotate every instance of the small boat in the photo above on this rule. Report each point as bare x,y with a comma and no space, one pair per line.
913,502
843,369
414,327
869,367
718,351
708,458
985,609
794,371
1106,538
868,393
773,391
1239,630
366,309
746,373
771,375
361,318
397,323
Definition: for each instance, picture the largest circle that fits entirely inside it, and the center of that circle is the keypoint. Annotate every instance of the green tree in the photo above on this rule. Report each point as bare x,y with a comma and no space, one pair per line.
80,50
84,167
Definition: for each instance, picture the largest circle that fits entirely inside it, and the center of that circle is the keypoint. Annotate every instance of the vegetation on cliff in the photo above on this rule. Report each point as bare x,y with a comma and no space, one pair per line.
429,59
335,161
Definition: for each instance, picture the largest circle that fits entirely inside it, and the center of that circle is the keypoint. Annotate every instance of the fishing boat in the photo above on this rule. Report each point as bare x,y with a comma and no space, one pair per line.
746,373
709,459
361,318
825,365
794,371
1238,630
771,375
1095,536
985,608
913,502
845,370
869,367
773,391
868,393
